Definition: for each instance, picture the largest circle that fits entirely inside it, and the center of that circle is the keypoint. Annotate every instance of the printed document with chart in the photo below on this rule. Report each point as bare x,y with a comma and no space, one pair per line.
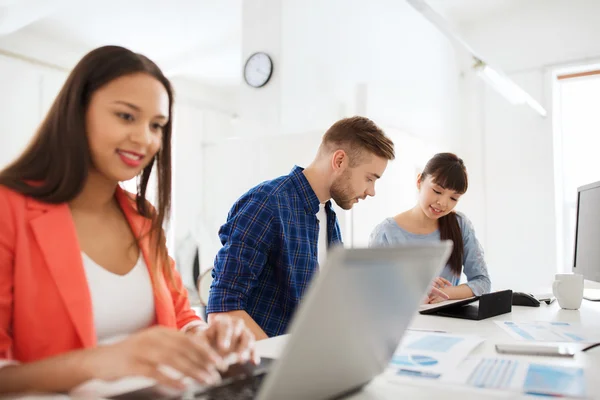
550,331
517,375
430,354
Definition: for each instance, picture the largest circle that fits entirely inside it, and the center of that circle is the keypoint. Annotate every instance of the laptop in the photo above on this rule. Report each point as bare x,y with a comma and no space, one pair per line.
345,330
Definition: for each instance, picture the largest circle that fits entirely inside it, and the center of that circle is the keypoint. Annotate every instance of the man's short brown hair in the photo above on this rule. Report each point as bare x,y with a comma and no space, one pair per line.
356,134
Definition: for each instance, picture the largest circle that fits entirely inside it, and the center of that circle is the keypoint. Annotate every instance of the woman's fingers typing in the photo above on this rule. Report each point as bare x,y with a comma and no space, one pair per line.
244,342
220,333
167,355
163,354
233,339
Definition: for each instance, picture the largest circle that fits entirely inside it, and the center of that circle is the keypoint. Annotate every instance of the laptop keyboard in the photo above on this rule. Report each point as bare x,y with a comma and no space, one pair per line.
241,389
240,382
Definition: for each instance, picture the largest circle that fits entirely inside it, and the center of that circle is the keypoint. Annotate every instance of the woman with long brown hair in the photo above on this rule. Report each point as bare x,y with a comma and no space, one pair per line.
87,289
441,184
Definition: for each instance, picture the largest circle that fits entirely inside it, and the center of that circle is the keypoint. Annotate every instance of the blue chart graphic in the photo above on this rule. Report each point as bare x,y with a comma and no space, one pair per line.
439,344
574,337
493,373
544,331
540,379
519,331
562,381
414,361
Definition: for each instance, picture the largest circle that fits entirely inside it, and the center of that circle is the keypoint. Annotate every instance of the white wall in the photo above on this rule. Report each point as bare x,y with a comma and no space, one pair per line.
470,147
519,225
333,47
519,186
202,114
27,93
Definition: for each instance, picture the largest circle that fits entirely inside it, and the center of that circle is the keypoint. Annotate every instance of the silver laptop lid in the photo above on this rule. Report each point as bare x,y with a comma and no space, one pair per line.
352,319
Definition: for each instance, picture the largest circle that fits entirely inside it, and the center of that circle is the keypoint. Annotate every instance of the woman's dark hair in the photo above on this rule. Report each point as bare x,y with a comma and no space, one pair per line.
449,171
54,167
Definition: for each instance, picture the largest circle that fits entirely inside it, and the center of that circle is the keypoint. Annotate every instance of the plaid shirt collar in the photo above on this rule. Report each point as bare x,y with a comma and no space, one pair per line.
305,191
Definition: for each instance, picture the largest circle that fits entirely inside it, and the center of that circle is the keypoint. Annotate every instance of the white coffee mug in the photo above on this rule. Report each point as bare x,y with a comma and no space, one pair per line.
568,290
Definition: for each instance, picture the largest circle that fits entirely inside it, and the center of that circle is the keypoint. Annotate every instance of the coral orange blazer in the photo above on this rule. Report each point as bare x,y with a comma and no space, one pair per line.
45,304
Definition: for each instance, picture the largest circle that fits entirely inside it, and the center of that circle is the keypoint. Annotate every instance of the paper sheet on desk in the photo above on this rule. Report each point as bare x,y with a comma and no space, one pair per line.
545,331
520,376
429,354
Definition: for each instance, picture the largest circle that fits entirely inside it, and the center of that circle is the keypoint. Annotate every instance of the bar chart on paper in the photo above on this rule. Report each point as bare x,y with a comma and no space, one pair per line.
494,374
538,379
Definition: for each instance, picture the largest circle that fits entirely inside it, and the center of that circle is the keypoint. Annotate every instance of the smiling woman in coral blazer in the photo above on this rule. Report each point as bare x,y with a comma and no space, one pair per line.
52,299
87,289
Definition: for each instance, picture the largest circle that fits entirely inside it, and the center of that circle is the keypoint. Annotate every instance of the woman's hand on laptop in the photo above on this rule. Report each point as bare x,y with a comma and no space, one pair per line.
231,338
148,352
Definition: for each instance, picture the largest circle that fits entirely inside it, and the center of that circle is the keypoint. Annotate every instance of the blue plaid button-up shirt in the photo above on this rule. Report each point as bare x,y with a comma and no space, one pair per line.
269,252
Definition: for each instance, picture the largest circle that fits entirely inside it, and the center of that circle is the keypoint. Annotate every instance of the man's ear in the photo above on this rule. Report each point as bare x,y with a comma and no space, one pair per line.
339,160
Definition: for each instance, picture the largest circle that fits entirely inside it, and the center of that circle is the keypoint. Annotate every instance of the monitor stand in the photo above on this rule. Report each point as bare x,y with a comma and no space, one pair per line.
591,294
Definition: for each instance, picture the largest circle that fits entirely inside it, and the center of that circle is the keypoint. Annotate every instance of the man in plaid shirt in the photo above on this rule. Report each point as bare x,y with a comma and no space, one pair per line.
271,237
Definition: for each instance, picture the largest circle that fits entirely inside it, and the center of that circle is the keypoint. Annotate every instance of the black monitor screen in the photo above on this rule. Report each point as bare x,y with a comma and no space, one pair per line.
587,232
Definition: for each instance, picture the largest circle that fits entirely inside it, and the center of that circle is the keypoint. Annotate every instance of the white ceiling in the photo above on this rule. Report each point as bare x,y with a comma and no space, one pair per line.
198,39
471,11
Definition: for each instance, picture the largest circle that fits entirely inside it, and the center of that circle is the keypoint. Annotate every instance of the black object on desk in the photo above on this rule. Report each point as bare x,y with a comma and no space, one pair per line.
490,305
524,299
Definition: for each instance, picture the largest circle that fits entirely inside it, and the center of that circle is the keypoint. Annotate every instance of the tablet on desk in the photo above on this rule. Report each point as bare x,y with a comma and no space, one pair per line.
433,308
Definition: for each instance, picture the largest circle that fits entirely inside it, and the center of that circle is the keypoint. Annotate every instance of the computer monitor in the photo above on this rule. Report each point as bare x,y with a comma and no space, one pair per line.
587,233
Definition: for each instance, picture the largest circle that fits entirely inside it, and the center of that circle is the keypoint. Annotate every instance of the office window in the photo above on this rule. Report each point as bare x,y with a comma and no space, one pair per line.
577,152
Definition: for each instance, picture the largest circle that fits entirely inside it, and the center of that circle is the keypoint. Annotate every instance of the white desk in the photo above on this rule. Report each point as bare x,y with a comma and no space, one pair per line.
380,388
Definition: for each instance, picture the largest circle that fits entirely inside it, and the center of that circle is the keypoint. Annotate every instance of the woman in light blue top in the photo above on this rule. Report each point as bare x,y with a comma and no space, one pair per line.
441,184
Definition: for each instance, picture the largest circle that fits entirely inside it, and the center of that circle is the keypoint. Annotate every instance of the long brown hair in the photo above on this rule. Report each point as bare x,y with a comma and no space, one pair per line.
449,171
55,165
